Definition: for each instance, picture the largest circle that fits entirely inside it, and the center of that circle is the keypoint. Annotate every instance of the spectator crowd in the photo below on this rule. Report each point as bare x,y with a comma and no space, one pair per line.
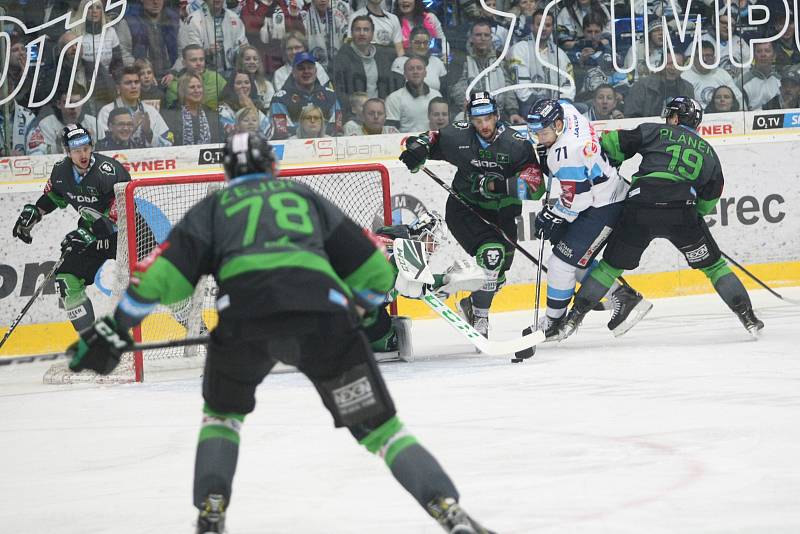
187,72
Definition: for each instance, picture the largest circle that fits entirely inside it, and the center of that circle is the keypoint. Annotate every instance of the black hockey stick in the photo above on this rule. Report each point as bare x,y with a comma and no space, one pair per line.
189,341
27,306
758,281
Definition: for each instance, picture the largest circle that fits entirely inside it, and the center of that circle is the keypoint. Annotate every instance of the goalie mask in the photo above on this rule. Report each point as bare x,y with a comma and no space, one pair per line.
429,229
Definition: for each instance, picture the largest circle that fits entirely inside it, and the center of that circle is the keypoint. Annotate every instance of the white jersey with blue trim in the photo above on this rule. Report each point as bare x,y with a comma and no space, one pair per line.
587,179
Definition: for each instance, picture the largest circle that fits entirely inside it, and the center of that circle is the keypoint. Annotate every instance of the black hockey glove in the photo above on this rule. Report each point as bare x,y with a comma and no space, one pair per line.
27,219
488,186
547,223
77,241
100,347
416,153
101,226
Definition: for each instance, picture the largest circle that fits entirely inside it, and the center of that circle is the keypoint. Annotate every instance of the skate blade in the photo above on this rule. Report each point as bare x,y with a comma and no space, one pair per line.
637,314
391,356
754,332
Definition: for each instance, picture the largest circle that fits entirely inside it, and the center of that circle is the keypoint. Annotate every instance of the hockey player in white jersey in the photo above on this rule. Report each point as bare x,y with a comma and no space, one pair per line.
580,221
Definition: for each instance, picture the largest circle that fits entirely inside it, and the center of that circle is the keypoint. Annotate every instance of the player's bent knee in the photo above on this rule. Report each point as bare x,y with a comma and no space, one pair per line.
71,290
388,440
621,255
357,398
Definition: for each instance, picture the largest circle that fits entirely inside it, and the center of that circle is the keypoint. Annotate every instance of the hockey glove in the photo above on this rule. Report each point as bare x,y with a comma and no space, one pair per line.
26,221
489,187
77,241
416,153
547,223
100,347
100,225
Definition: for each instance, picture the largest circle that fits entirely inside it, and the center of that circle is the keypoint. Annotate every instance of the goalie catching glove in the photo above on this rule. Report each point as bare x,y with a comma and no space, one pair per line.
99,347
27,219
416,153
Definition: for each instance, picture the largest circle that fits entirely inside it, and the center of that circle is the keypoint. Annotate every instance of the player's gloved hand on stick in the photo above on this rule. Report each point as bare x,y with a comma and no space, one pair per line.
488,186
27,219
77,241
416,153
100,347
547,223
100,225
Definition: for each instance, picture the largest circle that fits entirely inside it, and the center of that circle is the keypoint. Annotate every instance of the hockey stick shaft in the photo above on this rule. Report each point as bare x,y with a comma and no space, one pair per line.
490,347
757,280
30,302
189,341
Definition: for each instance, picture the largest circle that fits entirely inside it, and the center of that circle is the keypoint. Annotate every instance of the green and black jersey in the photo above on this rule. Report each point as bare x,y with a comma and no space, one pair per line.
273,246
670,155
509,155
93,191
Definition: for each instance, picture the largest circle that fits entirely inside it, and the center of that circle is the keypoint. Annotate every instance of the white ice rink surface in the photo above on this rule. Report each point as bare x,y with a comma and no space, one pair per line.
684,425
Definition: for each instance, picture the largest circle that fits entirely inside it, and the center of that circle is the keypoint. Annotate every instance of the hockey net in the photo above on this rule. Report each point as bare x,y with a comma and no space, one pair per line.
149,208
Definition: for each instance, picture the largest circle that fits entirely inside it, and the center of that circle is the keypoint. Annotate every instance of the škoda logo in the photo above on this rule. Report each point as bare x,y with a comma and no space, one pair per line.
65,22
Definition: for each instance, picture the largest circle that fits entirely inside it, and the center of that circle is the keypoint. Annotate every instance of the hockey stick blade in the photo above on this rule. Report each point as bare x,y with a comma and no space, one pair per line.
524,354
486,346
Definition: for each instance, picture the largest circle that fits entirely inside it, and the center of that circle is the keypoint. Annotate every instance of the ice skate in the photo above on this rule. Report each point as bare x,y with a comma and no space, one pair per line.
550,326
628,307
478,318
453,518
212,517
752,323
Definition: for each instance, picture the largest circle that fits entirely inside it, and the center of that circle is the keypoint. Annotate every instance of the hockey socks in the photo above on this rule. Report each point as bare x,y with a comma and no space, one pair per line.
411,464
217,454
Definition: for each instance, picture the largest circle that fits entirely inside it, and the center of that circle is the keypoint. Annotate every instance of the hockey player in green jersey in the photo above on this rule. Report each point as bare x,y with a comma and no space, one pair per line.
294,274
679,181
496,169
84,180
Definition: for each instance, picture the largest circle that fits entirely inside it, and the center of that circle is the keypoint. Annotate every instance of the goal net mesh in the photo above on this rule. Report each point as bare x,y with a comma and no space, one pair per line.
147,211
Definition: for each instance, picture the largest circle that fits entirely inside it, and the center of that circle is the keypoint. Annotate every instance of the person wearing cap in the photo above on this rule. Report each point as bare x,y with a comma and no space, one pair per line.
303,88
637,56
496,168
789,94
646,97
84,180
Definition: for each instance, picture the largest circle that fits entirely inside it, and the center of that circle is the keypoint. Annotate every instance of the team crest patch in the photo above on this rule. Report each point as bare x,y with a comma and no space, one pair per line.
463,125
502,158
590,148
107,168
519,136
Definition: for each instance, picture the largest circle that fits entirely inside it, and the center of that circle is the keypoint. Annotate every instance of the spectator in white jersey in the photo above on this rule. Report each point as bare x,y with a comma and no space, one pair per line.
407,108
150,129
387,26
420,42
761,82
219,31
704,80
45,136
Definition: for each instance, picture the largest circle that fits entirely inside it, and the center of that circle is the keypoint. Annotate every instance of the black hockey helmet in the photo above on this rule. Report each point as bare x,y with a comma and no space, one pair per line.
481,103
687,109
248,153
74,136
543,114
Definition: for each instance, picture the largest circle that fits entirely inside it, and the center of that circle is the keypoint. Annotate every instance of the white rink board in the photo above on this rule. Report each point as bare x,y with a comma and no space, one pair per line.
760,224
